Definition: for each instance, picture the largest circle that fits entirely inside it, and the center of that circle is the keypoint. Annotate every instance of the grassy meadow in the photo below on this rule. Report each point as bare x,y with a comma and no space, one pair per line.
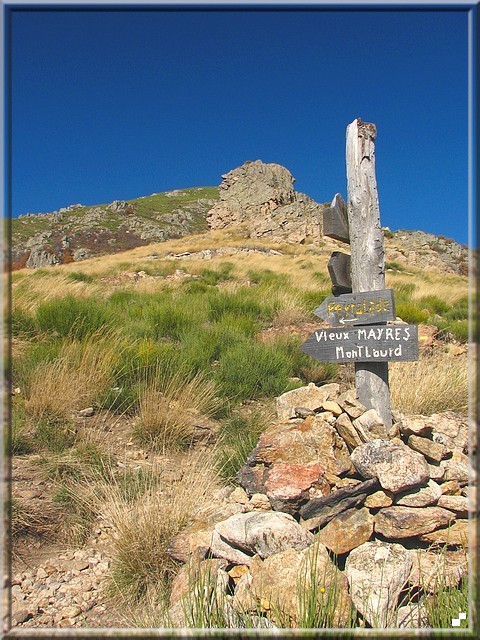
190,345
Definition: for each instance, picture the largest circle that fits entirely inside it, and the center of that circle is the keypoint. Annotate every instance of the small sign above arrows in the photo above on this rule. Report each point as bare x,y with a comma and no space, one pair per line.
335,220
367,307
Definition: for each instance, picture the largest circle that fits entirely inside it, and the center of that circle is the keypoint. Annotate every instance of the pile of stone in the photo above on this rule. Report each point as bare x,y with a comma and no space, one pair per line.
262,196
379,513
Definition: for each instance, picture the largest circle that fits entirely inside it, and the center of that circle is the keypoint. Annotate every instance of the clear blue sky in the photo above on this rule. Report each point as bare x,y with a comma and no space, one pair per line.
119,104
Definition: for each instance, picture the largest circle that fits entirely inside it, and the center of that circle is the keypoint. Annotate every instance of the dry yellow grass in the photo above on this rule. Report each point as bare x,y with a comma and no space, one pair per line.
168,410
29,292
432,384
81,373
146,513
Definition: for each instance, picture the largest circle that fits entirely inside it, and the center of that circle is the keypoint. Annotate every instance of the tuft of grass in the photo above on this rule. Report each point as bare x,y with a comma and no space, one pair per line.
79,375
432,384
79,276
71,316
238,436
31,519
144,526
169,408
251,370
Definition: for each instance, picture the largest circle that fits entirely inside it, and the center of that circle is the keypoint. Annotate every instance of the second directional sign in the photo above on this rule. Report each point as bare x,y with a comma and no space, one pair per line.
374,343
368,307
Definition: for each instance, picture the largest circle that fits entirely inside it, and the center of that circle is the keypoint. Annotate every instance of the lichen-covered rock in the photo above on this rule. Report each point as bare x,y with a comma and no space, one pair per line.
370,424
287,485
407,522
434,571
308,397
348,530
283,581
422,496
376,573
290,460
433,451
256,532
395,465
456,535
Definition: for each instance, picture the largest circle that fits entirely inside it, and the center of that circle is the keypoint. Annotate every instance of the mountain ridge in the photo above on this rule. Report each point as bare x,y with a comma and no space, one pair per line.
257,197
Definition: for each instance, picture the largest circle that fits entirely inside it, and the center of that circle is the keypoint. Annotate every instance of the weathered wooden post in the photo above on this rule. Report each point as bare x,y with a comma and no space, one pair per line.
361,307
368,252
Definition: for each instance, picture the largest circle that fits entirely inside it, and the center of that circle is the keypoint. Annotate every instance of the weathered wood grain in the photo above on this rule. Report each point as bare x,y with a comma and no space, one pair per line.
368,252
373,343
369,307
335,220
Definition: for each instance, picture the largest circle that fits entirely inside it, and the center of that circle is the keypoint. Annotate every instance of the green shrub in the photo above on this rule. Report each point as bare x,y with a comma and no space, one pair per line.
22,324
238,436
395,266
433,304
252,370
303,365
458,328
314,299
71,316
79,276
267,277
411,312
224,273
242,302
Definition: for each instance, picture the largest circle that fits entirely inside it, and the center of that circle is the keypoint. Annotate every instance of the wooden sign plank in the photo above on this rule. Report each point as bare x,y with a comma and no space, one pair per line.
339,270
374,343
335,220
368,307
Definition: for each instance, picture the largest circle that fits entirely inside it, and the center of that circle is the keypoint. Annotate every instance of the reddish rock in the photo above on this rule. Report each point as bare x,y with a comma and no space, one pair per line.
287,485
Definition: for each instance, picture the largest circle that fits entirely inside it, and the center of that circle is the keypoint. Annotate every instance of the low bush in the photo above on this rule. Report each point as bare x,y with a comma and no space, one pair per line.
410,312
71,316
252,370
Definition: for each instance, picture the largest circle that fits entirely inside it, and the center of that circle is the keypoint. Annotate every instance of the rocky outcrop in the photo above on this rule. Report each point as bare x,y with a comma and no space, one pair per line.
262,197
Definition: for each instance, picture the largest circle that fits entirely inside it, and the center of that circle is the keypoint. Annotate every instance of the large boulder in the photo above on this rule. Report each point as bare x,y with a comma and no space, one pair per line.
290,462
395,465
262,196
244,535
286,584
376,573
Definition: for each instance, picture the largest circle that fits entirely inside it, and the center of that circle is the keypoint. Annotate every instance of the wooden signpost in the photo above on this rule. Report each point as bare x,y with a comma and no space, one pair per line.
361,305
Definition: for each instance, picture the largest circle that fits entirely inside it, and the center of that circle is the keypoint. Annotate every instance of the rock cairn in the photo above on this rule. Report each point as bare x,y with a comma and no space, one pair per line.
326,481
262,196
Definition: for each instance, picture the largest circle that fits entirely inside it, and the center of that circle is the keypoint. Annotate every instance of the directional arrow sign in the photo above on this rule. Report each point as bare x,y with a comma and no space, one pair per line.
366,307
374,343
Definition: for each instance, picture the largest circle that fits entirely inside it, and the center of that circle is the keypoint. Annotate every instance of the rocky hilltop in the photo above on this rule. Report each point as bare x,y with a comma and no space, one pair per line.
257,198
262,196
